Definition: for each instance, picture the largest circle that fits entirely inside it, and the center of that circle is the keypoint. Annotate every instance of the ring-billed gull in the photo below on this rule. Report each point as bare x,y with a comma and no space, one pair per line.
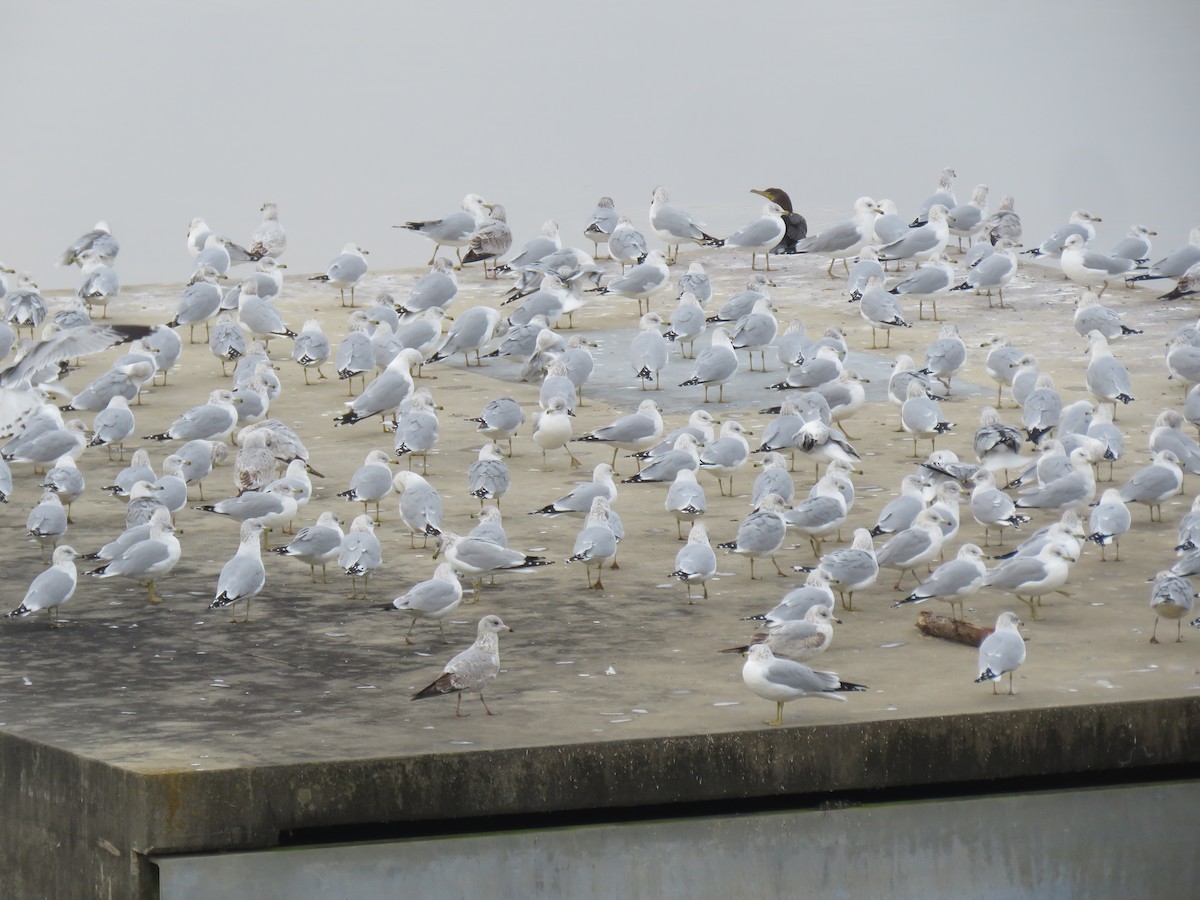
66,481
648,350
912,547
900,511
1171,597
1135,245
774,479
435,598
148,560
360,554
1080,223
881,310
1074,489
921,416
626,244
1029,578
685,454
687,323
696,282
596,543
1109,520
756,331
943,194
741,303
760,235
933,277
243,576
1004,223
470,332
437,289
1041,413
316,545
311,348
1001,652
634,432
716,364
112,426
674,226
98,283
47,522
695,562
52,588
477,558
1088,267
685,499
276,506
847,239
488,477
1156,482
952,581
819,515
642,281
579,500
492,239
1092,315
1175,263
601,223
346,270
796,639
795,604
552,429
98,241
385,394
214,252
795,225
922,242
761,533
724,456
420,506
993,273
966,219
454,230
212,421
499,420
269,238
473,669
25,307
1106,378
782,680
889,226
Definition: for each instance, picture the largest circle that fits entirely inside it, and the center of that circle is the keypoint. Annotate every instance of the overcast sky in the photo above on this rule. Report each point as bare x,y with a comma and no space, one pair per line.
357,115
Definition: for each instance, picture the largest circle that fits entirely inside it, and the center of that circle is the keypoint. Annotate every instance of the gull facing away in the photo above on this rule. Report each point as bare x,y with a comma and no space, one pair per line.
1172,597
243,576
782,680
696,561
1001,652
473,669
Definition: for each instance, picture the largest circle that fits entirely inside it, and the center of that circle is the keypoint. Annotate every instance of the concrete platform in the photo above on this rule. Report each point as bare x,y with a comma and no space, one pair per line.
138,730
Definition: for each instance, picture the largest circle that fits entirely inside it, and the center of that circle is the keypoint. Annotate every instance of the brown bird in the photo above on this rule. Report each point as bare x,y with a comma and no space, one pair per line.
473,669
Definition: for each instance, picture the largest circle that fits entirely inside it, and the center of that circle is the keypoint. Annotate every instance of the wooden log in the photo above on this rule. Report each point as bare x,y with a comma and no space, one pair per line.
933,625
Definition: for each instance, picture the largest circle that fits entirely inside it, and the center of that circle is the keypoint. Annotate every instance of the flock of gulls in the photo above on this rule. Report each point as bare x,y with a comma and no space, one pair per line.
1039,451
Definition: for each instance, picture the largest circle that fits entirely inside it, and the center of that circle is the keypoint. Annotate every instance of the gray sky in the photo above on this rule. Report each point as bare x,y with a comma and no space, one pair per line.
357,115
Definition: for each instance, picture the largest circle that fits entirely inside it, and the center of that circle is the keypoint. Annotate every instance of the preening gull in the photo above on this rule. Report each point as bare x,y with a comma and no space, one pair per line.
1001,652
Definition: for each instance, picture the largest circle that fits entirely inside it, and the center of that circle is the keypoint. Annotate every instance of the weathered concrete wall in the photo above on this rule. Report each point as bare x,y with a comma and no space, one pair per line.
80,828
1041,844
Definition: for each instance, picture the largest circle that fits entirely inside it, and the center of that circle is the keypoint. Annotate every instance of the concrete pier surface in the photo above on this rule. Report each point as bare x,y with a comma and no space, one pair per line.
141,730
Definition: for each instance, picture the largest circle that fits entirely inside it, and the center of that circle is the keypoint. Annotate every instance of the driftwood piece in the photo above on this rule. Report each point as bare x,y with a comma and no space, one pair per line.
944,627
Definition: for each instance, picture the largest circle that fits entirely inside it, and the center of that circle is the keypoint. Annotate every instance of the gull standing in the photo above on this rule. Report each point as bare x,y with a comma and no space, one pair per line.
695,562
933,277
943,195
1080,223
953,581
52,588
845,240
473,669
921,243
635,432
148,560
917,544
674,226
716,364
1171,597
881,310
966,219
782,680
993,273
311,348
243,576
1109,520
454,230
642,281
761,533
1029,578
1107,380
601,223
761,235
1001,652
98,241
435,598
648,351
596,544
1088,267
360,553
269,238
346,270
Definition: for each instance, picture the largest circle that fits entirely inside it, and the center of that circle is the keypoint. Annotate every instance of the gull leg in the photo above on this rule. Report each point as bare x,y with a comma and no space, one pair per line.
778,720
